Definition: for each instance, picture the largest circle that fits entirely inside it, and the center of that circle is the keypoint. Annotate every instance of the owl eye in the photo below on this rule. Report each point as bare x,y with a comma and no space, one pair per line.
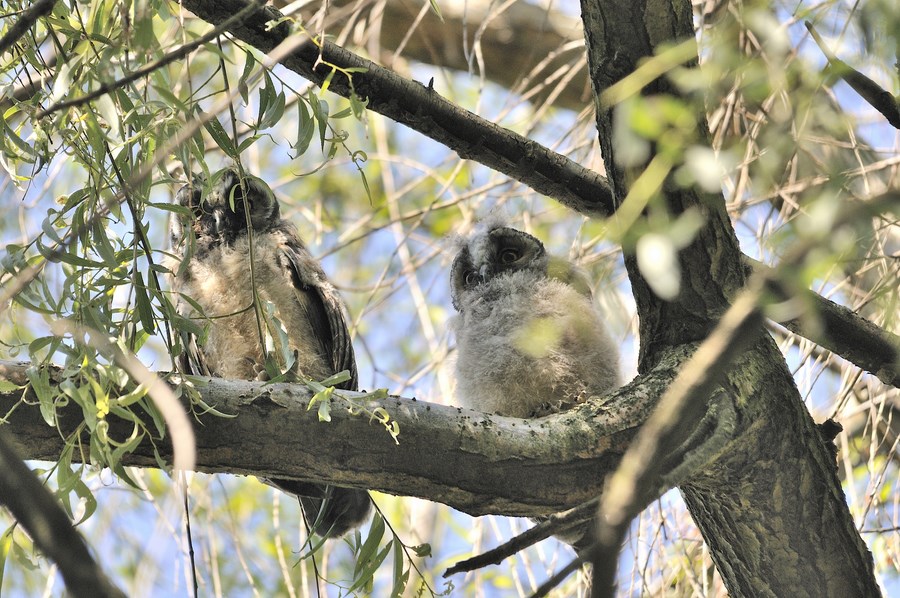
472,278
508,256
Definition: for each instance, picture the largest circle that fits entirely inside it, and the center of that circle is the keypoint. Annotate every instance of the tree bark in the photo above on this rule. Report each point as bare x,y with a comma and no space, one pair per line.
474,462
770,505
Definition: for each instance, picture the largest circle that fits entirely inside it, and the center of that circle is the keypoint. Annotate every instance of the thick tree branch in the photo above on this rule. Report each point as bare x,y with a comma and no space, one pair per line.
422,109
488,464
532,49
547,172
841,331
40,514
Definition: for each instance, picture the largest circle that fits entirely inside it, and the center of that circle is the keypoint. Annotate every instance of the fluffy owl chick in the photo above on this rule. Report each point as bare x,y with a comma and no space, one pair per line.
212,249
529,339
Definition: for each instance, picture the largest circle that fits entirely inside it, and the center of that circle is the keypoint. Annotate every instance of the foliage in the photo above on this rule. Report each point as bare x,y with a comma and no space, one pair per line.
91,185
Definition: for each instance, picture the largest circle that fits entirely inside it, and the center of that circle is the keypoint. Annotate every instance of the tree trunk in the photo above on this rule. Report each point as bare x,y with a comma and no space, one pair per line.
770,505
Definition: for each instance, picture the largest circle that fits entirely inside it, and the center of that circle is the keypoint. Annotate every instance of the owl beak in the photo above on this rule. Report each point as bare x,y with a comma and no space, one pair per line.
484,272
218,220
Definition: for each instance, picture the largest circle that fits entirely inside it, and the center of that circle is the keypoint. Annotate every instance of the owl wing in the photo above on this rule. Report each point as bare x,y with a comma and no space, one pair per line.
329,511
192,361
324,309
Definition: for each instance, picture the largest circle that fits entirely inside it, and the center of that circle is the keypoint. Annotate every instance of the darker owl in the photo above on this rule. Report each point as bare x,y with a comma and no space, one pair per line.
529,340
226,217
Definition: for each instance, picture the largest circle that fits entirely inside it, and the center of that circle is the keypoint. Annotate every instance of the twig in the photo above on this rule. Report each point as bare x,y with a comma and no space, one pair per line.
554,523
561,575
28,18
145,70
878,97
180,428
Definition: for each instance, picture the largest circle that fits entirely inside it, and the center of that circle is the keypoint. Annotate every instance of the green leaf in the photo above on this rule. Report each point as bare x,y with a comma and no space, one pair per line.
107,111
40,383
48,228
18,142
342,113
336,379
306,129
376,533
139,392
325,409
249,64
266,92
217,132
358,105
327,82
401,577
320,113
102,245
436,9
322,398
6,541
247,143
278,345
63,84
90,502
171,207
273,113
142,299
6,386
128,446
367,573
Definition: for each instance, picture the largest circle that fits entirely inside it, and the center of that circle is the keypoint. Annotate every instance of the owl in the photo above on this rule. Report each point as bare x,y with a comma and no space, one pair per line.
231,220
529,340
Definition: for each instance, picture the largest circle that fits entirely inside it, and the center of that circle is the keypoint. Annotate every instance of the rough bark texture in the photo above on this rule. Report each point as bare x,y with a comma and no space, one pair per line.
770,505
486,464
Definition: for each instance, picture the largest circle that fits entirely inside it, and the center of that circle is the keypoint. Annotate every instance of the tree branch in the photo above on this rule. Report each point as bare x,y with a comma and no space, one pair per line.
29,17
40,514
879,98
488,464
422,109
557,522
840,330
